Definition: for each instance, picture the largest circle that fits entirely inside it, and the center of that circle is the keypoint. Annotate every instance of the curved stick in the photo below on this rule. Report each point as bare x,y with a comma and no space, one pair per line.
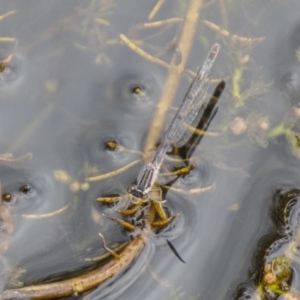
81,283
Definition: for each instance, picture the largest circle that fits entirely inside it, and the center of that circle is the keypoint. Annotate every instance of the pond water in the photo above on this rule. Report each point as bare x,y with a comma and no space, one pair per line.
71,85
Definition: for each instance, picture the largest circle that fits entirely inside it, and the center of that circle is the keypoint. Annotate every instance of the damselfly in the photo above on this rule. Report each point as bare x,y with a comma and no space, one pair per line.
176,134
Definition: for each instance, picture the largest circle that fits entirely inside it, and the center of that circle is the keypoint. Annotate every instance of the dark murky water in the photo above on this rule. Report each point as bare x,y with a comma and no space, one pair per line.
70,88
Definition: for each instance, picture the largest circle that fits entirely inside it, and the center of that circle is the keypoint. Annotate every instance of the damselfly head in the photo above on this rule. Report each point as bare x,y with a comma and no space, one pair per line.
135,193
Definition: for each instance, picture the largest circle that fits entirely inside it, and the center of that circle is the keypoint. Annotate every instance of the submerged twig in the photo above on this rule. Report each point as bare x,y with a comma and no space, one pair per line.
81,283
46,215
10,159
156,8
234,37
9,13
7,39
113,173
107,254
161,23
142,53
110,251
175,71
191,191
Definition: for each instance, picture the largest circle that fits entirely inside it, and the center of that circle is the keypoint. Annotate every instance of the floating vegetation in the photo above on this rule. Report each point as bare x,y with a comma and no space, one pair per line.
273,275
13,278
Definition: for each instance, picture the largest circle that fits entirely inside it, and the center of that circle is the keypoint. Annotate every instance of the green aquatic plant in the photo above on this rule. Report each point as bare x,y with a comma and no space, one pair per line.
277,274
14,280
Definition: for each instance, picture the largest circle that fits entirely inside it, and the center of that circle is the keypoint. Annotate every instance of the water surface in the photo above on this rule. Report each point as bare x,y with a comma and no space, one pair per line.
71,88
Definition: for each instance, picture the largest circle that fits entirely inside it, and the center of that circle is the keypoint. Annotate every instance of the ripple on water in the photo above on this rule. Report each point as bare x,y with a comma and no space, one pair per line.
107,143
27,190
39,207
116,287
136,92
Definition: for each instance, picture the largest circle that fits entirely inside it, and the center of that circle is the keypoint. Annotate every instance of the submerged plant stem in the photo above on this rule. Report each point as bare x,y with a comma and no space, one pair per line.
81,283
9,13
112,173
141,52
156,8
185,42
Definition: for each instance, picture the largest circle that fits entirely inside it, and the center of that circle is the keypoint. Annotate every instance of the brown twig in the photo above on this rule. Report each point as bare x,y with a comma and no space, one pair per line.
46,215
191,191
156,8
141,52
9,13
112,173
11,159
7,39
81,283
161,23
234,37
175,72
